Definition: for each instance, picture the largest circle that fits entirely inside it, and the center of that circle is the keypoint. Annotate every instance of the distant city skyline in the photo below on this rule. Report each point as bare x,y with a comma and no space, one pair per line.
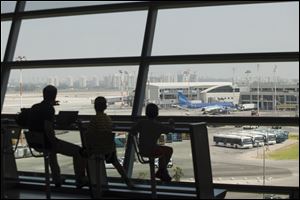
215,71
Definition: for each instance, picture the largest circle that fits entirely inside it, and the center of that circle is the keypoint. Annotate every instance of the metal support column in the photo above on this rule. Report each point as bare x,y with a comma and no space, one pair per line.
10,49
5,71
141,84
201,161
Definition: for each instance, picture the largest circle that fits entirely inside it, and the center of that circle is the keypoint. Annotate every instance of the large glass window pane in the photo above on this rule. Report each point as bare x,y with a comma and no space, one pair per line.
40,5
5,28
100,35
228,29
272,162
77,88
224,89
8,6
180,167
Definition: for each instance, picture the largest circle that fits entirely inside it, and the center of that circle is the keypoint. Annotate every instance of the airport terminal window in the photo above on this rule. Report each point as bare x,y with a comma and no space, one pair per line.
86,36
181,160
166,81
228,29
77,88
291,98
5,27
232,163
254,97
241,159
268,97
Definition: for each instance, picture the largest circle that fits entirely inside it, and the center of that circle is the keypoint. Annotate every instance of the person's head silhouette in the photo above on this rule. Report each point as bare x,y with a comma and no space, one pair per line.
100,104
151,110
49,93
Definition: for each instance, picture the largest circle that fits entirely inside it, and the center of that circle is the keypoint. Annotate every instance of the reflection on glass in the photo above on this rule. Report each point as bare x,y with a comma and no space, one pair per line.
225,89
97,35
228,29
77,88
5,27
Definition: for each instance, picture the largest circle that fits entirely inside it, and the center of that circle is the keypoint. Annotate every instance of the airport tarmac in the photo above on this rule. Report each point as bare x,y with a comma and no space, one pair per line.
240,166
81,101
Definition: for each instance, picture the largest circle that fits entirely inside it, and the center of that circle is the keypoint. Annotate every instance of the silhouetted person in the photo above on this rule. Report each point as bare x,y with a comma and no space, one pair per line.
101,137
41,123
149,131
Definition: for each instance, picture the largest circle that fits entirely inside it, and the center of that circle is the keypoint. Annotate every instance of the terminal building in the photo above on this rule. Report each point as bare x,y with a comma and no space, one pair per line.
287,95
166,94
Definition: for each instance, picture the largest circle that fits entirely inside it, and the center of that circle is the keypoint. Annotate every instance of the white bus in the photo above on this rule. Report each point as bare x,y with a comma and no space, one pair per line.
235,141
270,138
257,139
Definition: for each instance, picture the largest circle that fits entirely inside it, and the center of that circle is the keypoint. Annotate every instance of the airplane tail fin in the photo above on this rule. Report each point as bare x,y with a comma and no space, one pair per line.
182,100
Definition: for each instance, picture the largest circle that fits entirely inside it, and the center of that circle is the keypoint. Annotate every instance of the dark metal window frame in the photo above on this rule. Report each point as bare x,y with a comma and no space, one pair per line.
145,60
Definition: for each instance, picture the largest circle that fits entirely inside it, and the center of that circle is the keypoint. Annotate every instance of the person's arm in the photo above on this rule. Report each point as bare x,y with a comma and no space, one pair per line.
49,131
49,124
168,128
134,129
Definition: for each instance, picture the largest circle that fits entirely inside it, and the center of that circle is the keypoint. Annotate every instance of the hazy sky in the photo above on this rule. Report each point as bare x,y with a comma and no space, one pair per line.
207,30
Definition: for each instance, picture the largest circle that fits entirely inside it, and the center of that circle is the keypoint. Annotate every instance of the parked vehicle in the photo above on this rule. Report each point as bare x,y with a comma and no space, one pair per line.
235,141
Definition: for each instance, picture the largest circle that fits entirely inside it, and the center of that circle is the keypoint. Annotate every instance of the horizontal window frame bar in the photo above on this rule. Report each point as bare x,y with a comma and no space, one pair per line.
122,7
229,187
225,58
184,121
157,60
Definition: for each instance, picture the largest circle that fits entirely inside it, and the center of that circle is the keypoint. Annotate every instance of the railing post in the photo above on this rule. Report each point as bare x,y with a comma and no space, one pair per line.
201,161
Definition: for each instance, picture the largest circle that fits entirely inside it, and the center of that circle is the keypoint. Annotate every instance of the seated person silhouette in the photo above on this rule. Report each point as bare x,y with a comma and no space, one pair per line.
149,131
42,134
101,138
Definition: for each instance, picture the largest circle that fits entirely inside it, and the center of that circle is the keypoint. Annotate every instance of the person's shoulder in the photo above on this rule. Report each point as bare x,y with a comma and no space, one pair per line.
107,116
93,118
47,106
37,105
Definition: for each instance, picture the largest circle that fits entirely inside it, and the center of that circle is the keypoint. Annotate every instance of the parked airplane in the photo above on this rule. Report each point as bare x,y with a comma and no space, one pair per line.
207,108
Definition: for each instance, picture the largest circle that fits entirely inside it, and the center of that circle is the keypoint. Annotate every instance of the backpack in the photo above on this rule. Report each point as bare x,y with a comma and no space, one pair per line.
22,118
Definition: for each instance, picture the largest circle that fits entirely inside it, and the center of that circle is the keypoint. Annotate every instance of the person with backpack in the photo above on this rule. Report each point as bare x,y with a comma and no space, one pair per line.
41,127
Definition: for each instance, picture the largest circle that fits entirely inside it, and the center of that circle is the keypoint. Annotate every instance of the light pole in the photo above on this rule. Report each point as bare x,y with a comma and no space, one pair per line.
275,95
126,82
248,72
21,58
121,84
233,84
258,79
297,105
264,167
187,78
248,76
